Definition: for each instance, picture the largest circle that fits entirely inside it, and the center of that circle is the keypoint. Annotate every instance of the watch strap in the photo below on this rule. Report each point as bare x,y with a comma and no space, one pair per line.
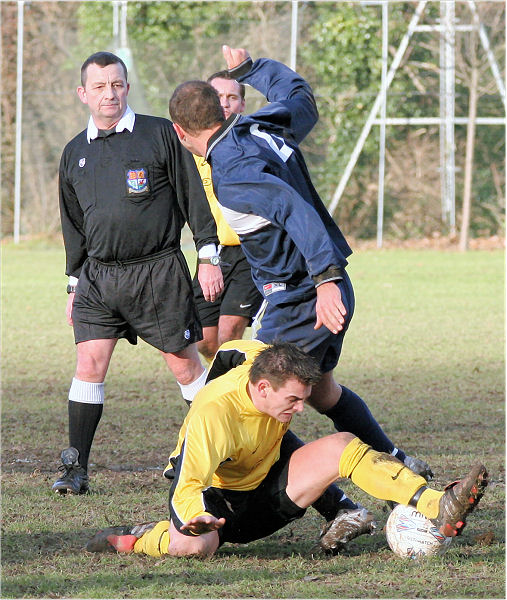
212,260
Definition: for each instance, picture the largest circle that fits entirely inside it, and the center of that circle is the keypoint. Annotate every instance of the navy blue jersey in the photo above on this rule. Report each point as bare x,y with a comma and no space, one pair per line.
265,192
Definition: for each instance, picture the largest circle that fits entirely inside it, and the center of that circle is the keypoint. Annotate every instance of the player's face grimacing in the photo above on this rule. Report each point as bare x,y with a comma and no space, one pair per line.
283,403
230,96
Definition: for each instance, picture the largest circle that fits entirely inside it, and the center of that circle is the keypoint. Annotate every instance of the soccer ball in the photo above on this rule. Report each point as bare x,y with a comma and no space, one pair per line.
411,535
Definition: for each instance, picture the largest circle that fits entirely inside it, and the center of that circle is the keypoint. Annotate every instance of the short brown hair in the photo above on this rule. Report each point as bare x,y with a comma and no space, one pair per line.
283,361
103,59
195,106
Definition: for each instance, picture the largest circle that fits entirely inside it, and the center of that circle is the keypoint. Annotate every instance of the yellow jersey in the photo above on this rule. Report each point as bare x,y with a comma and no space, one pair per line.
224,442
226,235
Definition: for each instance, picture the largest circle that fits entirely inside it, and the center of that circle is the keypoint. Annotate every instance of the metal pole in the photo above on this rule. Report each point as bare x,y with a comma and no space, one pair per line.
483,36
382,140
123,29
469,153
1,131
19,123
294,35
373,113
116,28
443,71
450,167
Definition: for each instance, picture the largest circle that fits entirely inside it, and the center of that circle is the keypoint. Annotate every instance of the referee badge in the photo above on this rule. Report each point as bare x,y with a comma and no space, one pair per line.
137,181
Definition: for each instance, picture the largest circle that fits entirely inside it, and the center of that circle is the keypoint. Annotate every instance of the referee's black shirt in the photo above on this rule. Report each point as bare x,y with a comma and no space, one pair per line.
128,195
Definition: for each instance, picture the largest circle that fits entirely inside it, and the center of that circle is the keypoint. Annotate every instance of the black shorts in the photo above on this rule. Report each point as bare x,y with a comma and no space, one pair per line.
254,514
240,296
150,298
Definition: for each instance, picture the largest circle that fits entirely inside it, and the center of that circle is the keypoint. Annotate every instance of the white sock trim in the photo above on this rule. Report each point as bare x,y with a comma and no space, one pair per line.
189,390
86,392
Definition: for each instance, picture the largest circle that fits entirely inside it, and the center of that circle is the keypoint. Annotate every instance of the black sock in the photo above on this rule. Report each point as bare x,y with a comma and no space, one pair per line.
83,420
333,499
352,414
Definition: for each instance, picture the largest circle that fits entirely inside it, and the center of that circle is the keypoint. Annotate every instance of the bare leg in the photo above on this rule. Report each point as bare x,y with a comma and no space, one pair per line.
185,364
208,346
93,358
316,465
231,327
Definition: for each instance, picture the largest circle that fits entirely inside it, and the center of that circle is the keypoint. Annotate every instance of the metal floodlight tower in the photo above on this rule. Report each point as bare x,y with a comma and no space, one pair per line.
446,120
379,101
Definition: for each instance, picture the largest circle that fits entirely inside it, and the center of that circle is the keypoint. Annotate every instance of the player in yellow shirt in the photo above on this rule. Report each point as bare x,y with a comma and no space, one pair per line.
232,484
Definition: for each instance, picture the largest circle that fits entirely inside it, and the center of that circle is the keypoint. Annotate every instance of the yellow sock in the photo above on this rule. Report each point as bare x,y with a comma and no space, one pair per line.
379,474
154,542
429,503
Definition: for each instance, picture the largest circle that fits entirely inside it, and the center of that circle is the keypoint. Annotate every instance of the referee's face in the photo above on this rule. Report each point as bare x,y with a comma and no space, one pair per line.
105,92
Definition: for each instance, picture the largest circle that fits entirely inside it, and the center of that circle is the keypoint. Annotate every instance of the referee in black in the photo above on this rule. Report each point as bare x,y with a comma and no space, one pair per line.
127,187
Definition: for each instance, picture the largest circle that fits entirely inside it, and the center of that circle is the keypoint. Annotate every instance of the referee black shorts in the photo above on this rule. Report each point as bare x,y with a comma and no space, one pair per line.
240,296
254,514
149,297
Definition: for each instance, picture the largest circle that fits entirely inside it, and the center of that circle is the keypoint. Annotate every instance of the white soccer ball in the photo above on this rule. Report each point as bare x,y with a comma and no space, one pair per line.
411,535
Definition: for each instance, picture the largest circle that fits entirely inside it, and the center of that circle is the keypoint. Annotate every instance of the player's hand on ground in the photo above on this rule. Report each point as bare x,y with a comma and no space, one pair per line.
68,308
331,311
203,524
211,281
234,56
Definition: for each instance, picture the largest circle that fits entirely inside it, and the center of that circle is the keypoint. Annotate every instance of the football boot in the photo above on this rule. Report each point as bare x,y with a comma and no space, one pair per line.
74,479
117,539
348,524
459,499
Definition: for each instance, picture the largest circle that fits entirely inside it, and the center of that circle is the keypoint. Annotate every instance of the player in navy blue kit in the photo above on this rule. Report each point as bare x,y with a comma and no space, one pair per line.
297,253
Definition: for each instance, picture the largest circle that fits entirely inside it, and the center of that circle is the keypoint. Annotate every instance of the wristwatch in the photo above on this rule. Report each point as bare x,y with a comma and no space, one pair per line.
212,260
71,289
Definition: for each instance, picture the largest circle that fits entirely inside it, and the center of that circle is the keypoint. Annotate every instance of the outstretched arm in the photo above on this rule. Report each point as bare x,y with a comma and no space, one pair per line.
296,111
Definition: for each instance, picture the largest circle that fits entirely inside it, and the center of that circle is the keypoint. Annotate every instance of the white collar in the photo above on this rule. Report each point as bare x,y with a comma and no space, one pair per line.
126,122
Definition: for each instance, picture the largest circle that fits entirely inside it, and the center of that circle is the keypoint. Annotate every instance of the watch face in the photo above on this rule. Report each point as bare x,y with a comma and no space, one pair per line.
215,260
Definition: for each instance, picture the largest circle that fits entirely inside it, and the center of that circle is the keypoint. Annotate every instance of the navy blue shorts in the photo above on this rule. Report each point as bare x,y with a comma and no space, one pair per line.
240,297
150,298
295,323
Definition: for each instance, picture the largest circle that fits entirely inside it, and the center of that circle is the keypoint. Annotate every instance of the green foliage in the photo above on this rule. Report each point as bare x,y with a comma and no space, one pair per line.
171,41
343,53
95,27
338,51
429,362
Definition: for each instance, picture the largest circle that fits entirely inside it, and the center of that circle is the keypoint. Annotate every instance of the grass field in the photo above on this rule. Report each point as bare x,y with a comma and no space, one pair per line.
425,349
